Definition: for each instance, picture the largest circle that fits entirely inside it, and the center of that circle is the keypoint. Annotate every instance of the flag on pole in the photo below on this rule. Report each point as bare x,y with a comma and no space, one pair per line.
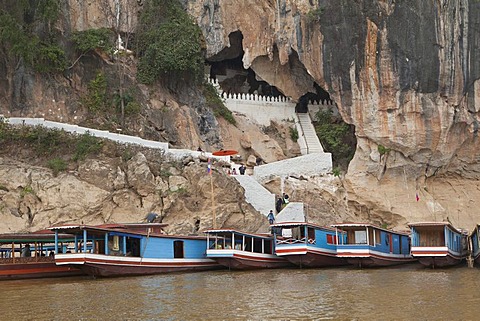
417,197
209,166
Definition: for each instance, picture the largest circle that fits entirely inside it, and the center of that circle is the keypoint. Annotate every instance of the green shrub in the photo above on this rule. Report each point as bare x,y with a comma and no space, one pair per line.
336,171
314,15
23,37
26,190
57,165
86,145
216,104
132,107
169,42
383,150
93,39
334,135
294,133
96,98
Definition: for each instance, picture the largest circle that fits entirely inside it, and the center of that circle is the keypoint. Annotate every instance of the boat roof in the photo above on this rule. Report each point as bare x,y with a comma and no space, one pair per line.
127,228
259,235
347,224
34,237
294,224
448,224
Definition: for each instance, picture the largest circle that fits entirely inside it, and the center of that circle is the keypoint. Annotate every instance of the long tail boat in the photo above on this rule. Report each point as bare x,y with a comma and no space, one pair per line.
133,249
31,255
438,244
243,251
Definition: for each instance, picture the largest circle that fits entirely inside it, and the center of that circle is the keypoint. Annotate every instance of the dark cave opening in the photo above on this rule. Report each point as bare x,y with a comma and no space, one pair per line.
227,68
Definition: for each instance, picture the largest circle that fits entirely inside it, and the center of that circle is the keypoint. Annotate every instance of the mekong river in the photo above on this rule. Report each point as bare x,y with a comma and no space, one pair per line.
402,293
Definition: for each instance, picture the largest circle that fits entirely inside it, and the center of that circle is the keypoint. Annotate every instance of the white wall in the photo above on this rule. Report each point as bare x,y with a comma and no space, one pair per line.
308,165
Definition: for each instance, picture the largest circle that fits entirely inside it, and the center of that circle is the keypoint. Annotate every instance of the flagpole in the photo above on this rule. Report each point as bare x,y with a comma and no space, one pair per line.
213,203
209,168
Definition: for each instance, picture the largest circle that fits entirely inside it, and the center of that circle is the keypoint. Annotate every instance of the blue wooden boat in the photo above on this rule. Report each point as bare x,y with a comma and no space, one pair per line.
367,245
30,256
241,251
307,245
438,244
475,244
133,249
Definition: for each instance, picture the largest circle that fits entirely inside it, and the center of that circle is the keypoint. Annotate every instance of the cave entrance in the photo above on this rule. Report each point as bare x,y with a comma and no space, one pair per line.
227,68
320,97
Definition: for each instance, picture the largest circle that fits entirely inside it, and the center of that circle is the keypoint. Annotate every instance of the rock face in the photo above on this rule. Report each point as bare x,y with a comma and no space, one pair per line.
32,198
406,74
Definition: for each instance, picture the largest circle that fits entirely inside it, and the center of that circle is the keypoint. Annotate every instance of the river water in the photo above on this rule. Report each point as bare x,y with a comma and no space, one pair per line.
405,293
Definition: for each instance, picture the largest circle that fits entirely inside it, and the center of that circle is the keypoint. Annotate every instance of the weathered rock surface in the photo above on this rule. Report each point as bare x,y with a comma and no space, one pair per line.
31,198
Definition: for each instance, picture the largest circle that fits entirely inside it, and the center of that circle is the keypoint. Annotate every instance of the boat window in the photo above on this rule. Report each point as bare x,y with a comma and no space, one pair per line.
378,237
311,235
331,239
178,249
360,237
257,245
268,247
370,236
133,246
248,244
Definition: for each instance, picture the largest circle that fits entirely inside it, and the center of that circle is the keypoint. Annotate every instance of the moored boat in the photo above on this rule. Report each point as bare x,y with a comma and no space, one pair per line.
308,245
475,244
241,251
367,245
438,244
31,255
134,249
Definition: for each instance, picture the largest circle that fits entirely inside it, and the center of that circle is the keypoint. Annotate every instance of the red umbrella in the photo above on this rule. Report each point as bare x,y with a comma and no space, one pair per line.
225,152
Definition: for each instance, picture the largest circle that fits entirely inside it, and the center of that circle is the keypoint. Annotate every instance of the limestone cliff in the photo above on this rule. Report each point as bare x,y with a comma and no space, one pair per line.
405,73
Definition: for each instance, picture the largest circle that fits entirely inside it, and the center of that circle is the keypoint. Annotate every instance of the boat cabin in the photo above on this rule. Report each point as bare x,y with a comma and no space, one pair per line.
367,235
232,239
113,239
438,234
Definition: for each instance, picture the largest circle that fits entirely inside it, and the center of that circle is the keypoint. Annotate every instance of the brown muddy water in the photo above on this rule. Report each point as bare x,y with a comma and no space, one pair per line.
405,293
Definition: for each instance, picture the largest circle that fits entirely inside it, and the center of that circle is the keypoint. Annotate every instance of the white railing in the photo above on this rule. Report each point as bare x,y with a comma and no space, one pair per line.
120,138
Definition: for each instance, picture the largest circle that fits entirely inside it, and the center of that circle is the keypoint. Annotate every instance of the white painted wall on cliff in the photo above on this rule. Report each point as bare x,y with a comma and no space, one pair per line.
307,165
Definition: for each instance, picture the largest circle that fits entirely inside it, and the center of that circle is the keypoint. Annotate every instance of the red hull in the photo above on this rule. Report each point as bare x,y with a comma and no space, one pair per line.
104,270
19,271
251,264
96,265
313,260
362,262
439,261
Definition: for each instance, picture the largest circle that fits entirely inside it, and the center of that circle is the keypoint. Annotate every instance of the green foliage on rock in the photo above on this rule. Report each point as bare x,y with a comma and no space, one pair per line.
86,145
169,43
335,135
382,150
93,39
294,133
57,165
96,98
215,103
24,33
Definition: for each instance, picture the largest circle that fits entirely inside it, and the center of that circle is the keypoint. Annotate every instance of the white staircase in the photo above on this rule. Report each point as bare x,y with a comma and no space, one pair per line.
257,195
308,136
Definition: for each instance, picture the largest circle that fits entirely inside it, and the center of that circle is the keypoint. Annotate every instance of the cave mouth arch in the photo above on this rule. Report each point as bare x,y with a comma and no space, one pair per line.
227,68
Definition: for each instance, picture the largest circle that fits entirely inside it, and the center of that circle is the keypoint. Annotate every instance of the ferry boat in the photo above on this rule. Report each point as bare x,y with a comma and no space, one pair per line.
438,244
241,251
308,245
31,255
134,249
367,245
474,242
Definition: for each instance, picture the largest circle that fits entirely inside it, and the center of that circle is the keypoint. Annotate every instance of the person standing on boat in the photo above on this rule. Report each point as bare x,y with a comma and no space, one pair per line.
271,217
